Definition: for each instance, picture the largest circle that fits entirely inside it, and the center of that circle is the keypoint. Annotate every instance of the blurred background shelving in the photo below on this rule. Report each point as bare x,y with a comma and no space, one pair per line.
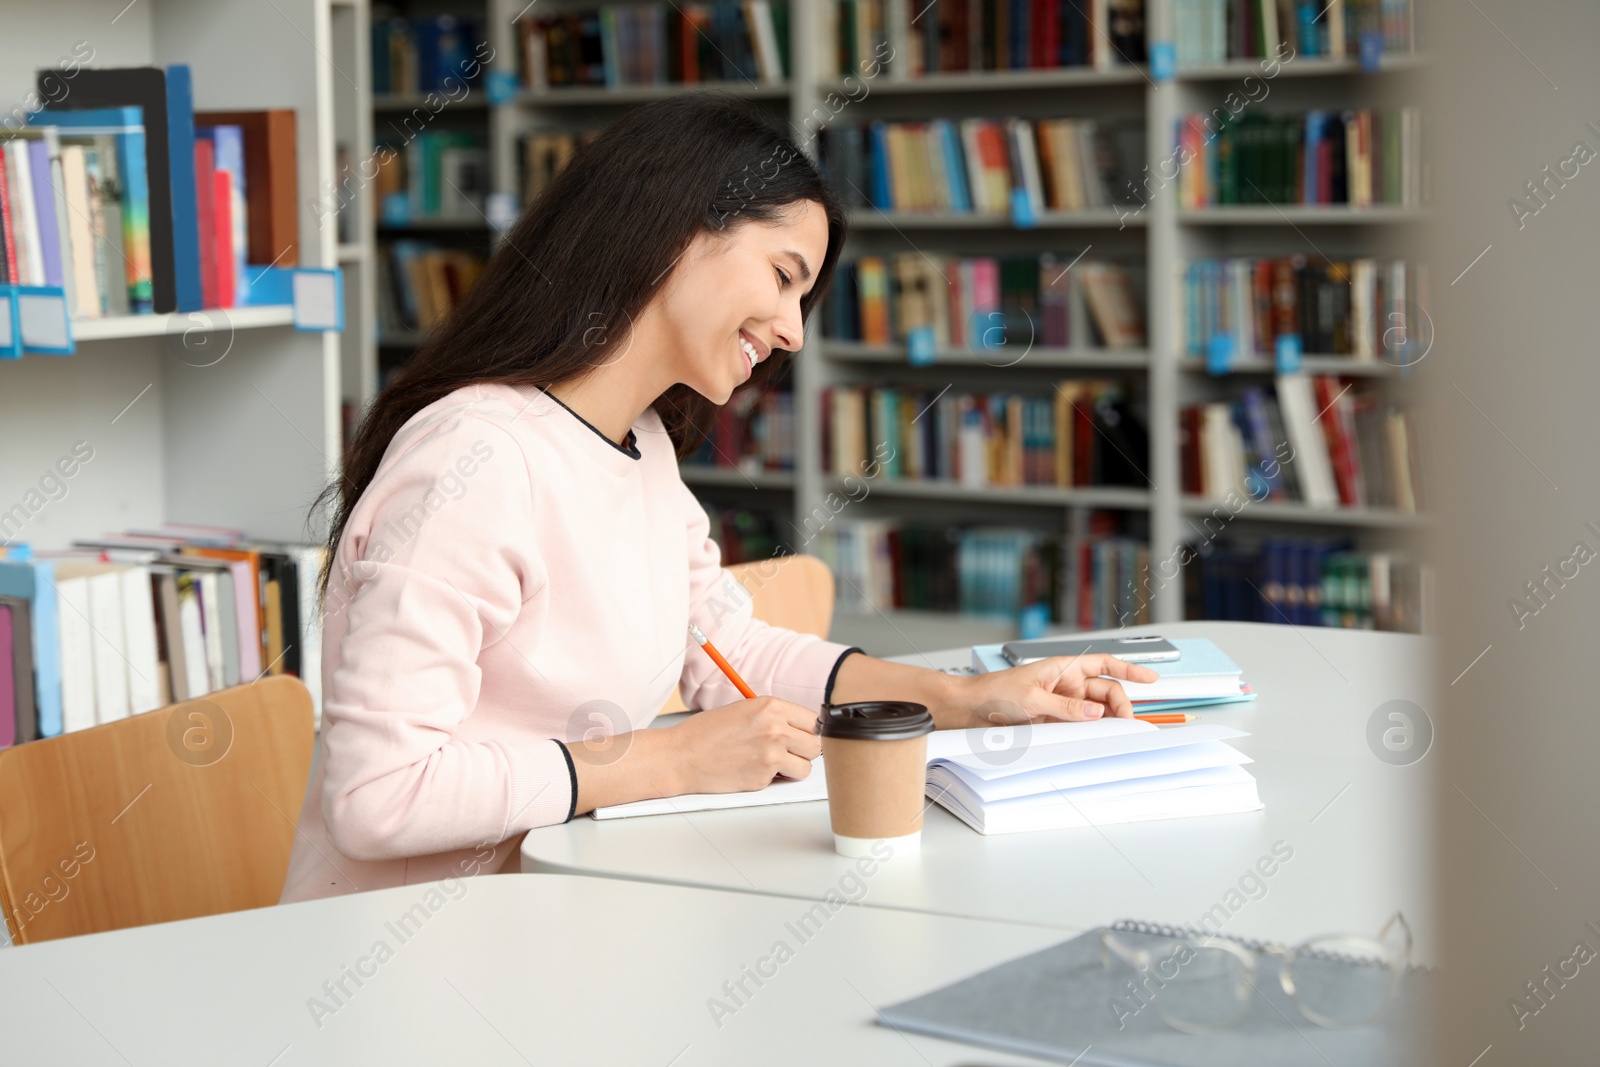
767,494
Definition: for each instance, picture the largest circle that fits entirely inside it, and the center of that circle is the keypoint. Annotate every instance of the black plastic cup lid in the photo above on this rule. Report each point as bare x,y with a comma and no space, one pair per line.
875,720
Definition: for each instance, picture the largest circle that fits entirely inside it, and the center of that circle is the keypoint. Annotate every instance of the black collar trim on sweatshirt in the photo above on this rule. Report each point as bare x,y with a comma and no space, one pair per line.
629,448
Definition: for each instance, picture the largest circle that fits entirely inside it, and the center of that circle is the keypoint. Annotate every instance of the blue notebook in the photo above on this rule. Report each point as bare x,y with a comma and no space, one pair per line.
1199,658
1067,1005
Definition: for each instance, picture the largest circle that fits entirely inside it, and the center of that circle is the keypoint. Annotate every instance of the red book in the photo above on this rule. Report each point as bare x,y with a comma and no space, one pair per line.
689,46
1039,23
1340,447
205,181
227,276
1285,314
1189,443
896,569
1324,172
1261,283
1086,585
1052,32
955,36
9,265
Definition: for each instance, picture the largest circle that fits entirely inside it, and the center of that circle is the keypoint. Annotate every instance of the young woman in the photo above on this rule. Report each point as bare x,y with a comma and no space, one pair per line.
514,558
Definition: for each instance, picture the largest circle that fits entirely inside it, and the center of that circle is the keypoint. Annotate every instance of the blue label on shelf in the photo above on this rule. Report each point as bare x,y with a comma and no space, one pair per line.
397,208
1163,61
988,330
10,331
1371,50
501,85
920,346
1022,216
1286,351
1033,622
1219,353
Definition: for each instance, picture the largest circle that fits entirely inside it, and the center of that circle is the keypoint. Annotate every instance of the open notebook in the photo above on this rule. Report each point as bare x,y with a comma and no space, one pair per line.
1044,776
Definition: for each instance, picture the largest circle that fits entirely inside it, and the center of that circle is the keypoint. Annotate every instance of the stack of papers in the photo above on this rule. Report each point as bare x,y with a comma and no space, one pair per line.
1203,675
1043,776
1061,775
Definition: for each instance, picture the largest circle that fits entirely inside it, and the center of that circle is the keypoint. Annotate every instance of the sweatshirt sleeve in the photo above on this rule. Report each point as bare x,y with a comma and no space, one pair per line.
442,575
772,660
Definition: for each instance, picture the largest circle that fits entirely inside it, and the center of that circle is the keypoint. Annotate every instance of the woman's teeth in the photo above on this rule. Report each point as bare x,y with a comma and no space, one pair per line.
750,353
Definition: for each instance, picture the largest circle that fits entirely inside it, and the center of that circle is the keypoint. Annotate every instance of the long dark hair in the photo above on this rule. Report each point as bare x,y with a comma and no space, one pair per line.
589,254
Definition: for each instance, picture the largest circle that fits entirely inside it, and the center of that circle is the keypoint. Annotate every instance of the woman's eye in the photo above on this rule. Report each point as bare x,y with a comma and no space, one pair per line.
783,279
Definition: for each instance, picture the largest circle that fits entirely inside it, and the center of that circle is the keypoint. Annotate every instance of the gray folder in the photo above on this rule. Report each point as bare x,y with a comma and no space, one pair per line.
1056,1004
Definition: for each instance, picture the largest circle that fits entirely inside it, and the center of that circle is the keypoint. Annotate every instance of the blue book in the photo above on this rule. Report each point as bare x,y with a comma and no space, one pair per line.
44,209
1254,403
185,197
955,167
1019,34
1308,191
879,176
34,581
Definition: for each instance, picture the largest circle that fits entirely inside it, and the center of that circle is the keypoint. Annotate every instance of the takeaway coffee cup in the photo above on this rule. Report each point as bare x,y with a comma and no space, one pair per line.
875,755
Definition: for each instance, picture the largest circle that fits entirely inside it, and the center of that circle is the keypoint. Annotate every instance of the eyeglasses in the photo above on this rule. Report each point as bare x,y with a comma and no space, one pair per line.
1202,984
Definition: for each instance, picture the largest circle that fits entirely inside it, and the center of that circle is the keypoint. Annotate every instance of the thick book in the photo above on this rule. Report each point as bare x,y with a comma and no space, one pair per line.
1110,771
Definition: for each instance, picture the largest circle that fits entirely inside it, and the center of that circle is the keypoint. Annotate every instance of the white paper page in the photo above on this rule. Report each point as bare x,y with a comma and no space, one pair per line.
1135,787
1224,798
783,791
1088,773
1037,756
997,743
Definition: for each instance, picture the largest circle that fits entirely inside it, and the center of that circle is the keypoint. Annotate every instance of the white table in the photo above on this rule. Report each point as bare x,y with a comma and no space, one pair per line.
1358,826
511,969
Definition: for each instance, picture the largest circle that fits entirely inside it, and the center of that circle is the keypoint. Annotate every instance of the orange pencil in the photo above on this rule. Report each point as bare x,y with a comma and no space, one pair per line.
716,657
1166,719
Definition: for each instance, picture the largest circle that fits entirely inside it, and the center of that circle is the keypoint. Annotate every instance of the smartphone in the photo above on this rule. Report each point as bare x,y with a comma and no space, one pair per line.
1150,649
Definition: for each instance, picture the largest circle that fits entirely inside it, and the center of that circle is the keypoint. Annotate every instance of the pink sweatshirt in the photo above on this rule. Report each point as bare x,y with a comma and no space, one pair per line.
510,580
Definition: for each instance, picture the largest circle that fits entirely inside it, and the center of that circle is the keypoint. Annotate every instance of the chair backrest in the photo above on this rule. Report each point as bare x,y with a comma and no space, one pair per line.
184,811
795,592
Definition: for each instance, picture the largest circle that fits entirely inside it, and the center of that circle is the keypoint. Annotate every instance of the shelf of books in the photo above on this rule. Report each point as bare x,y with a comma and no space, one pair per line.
1077,289
425,174
1299,321
983,400
155,542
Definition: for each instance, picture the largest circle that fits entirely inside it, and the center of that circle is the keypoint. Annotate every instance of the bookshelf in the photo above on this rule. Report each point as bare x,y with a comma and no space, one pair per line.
225,417
1156,240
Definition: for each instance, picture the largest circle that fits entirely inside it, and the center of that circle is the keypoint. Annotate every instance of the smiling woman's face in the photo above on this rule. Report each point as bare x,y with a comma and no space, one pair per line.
739,291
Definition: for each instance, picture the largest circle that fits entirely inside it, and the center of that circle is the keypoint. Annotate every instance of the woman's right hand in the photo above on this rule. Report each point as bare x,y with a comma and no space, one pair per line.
744,745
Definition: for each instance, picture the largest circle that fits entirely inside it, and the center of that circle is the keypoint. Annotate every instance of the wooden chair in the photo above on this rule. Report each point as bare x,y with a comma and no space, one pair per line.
795,592
184,811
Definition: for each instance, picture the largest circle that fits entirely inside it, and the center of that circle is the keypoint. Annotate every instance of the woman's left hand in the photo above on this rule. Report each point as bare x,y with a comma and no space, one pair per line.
1058,689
